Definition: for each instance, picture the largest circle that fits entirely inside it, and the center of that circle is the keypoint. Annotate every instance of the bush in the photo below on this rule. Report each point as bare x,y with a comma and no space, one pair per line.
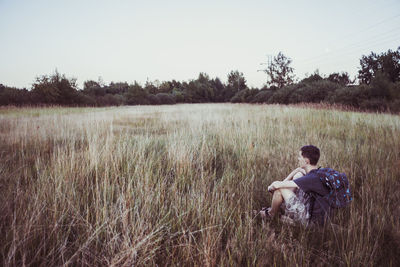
262,96
178,95
394,91
313,78
350,96
313,92
243,96
14,96
281,96
153,100
165,99
380,86
377,104
85,100
394,106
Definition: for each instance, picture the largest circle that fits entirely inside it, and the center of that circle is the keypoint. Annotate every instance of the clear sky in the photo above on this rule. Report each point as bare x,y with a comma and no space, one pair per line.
139,40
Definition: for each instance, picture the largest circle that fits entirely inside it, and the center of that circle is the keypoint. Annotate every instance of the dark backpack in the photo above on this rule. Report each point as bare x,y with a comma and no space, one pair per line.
339,189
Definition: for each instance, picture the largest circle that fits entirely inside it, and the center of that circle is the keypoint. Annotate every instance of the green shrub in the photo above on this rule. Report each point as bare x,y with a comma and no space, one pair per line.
244,96
377,104
313,92
281,96
165,99
350,96
262,96
153,100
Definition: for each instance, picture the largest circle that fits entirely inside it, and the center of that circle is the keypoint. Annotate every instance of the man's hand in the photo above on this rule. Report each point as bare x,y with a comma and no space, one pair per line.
284,184
272,187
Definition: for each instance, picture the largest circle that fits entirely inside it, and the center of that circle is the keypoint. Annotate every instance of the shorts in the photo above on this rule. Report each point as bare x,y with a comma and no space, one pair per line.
297,207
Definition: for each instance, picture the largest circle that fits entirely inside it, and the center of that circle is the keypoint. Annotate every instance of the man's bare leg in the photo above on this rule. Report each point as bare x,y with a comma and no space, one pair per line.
278,197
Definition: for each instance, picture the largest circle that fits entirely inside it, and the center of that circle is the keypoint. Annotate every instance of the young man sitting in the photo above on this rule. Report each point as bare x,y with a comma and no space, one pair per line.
301,195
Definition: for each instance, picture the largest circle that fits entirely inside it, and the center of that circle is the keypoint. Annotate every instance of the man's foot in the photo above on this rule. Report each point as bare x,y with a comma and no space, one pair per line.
264,213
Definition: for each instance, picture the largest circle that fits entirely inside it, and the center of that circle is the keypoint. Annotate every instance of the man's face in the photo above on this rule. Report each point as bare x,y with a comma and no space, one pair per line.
302,160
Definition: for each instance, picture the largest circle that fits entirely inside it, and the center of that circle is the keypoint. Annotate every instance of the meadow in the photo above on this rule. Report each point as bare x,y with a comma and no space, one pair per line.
176,185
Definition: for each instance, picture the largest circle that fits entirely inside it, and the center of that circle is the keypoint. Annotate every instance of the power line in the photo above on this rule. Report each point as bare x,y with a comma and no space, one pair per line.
344,57
356,46
386,40
353,34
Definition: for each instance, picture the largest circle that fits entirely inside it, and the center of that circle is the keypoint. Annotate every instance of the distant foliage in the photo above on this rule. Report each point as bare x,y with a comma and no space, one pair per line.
14,96
342,79
244,96
313,92
262,96
387,63
165,99
280,72
379,88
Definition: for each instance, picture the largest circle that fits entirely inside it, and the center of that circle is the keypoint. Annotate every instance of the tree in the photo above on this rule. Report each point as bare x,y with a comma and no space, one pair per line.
340,78
236,81
387,63
14,96
218,89
117,88
150,88
55,89
279,71
313,77
136,95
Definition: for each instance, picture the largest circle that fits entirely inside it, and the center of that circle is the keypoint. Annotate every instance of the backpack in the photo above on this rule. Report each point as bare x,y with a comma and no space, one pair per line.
339,189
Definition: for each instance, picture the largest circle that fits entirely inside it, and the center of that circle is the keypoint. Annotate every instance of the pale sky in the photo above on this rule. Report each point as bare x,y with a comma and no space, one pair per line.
125,40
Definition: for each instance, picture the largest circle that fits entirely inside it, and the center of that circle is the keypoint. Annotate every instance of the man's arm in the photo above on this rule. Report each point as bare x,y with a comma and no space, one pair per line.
296,173
281,184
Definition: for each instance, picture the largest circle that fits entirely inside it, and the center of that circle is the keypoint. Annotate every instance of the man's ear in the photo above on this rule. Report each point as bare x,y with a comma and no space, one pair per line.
307,160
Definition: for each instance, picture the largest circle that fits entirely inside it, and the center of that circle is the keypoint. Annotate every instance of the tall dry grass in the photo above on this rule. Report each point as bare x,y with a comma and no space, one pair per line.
176,185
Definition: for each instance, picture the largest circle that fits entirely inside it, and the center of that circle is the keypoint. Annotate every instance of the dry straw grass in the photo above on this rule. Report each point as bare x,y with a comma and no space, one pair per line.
175,185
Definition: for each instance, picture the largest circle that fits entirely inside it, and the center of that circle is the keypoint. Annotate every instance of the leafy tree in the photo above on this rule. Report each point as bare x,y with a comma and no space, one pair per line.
244,96
236,81
199,90
263,95
165,87
150,88
380,85
387,63
282,95
218,89
312,78
55,89
178,95
350,96
340,78
313,92
136,95
165,99
117,88
279,71
14,96
90,84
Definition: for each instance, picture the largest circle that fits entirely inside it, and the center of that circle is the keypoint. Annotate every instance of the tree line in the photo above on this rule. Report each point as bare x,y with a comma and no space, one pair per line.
378,88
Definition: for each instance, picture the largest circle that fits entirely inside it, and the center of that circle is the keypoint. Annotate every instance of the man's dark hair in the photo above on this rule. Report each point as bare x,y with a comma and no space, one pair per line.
311,152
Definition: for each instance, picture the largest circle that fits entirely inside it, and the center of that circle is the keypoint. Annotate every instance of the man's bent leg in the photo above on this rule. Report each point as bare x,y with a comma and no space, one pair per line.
278,197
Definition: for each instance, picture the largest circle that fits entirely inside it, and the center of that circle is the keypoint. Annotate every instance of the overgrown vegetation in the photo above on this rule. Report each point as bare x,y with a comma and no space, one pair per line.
379,88
176,185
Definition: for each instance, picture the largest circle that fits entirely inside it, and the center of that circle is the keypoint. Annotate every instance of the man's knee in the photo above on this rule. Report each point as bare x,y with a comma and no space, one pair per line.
278,192
286,193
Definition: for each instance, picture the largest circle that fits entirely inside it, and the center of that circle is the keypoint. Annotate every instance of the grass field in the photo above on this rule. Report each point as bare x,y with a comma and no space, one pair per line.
176,185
